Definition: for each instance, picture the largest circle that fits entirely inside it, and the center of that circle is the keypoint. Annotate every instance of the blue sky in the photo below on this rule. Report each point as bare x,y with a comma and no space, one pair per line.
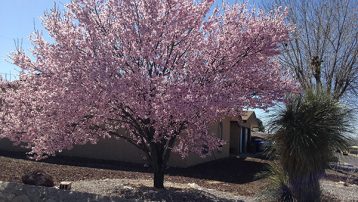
17,21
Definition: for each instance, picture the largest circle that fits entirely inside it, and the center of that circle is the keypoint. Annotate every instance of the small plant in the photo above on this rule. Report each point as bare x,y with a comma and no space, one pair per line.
38,178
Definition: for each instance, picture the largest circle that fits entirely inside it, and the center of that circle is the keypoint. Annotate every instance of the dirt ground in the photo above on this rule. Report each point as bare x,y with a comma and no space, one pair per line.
238,176
244,177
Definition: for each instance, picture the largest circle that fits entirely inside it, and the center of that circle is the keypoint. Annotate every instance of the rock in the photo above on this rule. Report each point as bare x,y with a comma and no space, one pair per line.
38,178
3,185
192,185
127,187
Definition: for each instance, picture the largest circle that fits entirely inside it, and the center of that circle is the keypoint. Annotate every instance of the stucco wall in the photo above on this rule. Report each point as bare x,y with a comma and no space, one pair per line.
108,149
194,159
119,150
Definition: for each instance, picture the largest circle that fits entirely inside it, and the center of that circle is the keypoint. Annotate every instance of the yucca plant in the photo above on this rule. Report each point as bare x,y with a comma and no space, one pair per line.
279,183
307,132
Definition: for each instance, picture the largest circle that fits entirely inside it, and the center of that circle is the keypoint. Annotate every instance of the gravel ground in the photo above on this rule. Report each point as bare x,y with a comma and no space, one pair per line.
339,191
110,190
222,180
141,189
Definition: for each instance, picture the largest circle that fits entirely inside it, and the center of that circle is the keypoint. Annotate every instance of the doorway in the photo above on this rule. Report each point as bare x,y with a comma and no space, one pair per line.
235,131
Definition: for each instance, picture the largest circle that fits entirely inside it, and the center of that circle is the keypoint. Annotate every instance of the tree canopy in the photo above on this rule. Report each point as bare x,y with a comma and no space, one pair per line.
161,70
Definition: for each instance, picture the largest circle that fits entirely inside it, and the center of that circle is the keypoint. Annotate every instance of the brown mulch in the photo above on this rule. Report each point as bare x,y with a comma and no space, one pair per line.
239,176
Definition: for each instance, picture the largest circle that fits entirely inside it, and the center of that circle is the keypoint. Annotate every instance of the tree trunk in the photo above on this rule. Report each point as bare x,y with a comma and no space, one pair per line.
159,179
158,165
306,188
159,156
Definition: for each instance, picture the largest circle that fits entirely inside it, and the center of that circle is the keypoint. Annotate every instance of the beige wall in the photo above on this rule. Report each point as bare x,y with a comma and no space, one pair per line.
194,159
108,149
118,150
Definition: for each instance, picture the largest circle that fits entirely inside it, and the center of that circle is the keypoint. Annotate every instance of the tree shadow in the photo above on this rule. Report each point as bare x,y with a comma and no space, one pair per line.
232,170
81,162
10,191
169,194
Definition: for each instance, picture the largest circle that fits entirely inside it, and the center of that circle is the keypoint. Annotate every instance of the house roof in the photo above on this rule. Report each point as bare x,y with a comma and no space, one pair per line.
246,115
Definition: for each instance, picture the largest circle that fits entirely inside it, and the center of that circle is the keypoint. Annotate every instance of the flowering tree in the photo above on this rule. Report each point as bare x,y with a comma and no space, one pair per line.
162,70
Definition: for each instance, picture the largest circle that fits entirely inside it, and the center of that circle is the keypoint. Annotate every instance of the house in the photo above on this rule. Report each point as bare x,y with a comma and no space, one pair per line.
236,132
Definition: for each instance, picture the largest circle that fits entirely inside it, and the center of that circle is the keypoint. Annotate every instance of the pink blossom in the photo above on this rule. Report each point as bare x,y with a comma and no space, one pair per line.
162,70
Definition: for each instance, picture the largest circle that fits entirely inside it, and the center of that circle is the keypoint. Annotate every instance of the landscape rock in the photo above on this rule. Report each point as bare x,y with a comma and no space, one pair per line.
38,178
